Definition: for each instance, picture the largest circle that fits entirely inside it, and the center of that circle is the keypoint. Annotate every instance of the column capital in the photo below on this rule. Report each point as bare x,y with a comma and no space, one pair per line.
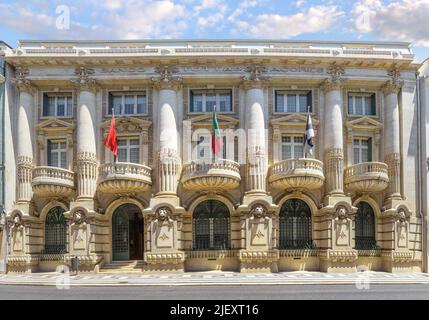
166,78
394,84
83,79
22,82
336,80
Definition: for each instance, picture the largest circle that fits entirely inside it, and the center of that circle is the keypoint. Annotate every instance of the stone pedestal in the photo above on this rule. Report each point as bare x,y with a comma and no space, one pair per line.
164,254
259,253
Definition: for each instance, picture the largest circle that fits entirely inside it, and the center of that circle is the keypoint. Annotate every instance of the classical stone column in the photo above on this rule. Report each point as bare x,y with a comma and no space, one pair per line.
333,134
255,127
25,162
169,162
86,160
391,137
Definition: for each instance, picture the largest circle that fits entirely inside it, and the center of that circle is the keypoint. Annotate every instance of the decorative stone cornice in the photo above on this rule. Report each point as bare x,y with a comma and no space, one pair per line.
84,78
259,256
167,78
336,80
339,255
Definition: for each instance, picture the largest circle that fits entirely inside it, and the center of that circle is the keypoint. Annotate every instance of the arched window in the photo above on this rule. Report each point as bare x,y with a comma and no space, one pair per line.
55,231
365,227
295,225
211,226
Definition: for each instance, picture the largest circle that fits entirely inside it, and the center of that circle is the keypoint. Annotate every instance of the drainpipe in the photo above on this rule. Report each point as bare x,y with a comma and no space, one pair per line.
420,172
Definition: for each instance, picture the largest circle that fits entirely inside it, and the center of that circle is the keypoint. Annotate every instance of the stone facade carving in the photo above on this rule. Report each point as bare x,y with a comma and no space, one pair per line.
84,77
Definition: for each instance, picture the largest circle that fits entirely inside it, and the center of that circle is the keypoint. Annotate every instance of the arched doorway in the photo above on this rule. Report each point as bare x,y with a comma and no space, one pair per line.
127,233
55,231
295,225
365,227
211,226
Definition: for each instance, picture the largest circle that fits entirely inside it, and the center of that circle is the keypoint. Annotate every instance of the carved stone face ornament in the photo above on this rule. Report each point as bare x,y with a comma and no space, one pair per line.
258,211
163,214
78,217
341,213
401,216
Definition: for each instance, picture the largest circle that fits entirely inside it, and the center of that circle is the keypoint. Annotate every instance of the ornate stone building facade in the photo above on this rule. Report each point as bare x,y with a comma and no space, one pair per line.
168,204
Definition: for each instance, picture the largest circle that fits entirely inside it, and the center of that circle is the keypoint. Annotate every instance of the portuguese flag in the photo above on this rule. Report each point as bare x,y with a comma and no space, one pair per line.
216,137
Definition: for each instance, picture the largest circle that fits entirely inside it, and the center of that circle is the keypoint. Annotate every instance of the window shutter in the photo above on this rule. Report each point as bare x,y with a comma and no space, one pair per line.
369,149
310,100
373,109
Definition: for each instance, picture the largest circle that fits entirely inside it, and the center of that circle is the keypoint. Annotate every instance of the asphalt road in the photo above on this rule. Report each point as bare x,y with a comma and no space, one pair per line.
260,292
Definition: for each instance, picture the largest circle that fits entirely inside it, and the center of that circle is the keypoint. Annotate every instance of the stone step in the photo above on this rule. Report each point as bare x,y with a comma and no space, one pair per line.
123,266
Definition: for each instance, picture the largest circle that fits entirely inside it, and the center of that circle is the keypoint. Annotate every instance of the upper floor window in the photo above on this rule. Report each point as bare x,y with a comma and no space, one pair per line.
57,153
127,103
292,147
129,150
204,148
362,104
362,150
57,105
293,101
205,100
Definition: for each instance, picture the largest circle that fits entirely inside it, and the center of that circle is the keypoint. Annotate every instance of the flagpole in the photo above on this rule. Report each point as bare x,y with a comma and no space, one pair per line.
214,136
305,142
113,115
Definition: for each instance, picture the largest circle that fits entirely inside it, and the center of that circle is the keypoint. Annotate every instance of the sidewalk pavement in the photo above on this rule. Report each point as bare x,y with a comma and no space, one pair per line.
213,278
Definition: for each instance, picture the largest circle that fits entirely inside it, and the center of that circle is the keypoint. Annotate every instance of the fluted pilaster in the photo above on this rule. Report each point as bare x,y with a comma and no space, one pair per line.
86,175
334,166
168,171
24,168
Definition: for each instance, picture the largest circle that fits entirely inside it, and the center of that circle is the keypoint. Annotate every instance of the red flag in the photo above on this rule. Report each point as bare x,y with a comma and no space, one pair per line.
110,141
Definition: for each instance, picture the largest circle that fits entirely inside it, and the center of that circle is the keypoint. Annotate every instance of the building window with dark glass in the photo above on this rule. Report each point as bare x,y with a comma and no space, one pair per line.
205,100
362,104
57,105
293,101
129,150
362,150
57,153
127,103
292,147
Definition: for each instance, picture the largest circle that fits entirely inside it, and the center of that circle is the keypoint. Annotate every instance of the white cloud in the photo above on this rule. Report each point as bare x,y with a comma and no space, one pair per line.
315,19
405,20
242,7
120,20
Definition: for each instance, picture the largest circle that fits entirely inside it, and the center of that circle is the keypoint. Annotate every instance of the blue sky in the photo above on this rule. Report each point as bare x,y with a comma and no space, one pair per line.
391,20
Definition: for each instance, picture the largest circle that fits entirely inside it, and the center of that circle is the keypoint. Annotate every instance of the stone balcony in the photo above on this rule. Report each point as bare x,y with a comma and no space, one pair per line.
220,175
297,174
366,177
53,182
124,177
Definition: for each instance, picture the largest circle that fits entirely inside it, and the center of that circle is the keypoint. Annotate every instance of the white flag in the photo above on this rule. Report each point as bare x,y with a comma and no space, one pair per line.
308,136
